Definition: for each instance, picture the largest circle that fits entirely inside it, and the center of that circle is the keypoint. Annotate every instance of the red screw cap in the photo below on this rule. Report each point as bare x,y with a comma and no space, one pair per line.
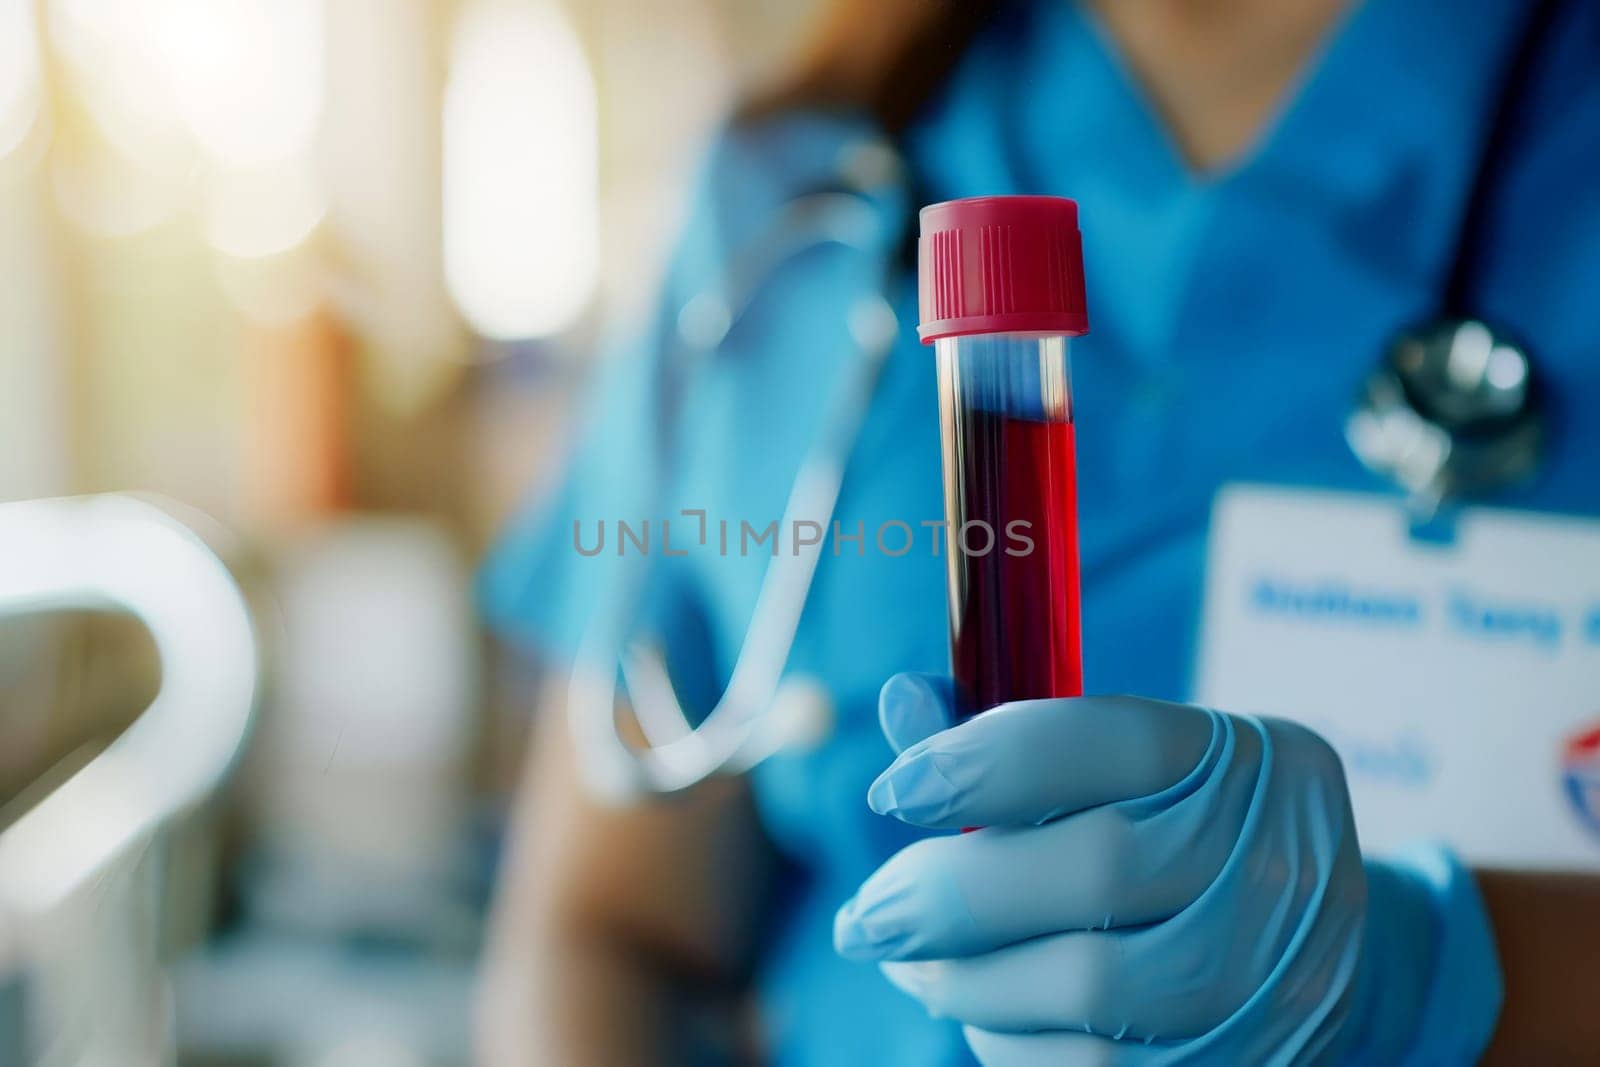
1000,264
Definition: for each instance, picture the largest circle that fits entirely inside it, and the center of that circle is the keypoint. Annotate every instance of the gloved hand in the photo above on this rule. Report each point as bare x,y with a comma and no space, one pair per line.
1157,883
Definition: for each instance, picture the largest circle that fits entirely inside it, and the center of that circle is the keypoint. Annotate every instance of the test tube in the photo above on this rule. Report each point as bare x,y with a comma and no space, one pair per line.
1001,296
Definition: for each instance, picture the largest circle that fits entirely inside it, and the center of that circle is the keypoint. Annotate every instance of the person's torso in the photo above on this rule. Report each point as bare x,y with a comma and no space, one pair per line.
1233,321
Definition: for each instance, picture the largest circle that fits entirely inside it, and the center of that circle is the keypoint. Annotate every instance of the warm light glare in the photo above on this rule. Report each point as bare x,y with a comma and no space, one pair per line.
226,95
19,73
257,213
520,183
110,62
246,74
107,194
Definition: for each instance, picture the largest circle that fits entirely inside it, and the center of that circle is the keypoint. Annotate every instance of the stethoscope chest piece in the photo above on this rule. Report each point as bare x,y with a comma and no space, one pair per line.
1451,411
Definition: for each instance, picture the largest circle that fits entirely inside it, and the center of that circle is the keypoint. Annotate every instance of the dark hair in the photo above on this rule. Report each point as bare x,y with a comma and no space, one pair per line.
883,58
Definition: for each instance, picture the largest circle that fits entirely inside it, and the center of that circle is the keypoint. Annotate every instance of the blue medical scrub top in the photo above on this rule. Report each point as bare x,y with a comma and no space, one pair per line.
1234,316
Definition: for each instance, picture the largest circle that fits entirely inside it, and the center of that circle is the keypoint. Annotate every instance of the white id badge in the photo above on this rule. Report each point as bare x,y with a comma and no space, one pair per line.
1459,679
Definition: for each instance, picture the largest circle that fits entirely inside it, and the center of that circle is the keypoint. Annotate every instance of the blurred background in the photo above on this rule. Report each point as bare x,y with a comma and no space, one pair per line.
312,281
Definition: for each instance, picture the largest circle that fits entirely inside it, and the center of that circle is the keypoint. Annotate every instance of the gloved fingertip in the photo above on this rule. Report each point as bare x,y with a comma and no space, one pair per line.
915,789
867,929
849,936
912,707
880,795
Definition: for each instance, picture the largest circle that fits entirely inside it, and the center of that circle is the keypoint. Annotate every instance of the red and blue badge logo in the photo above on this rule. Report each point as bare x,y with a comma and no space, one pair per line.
1581,773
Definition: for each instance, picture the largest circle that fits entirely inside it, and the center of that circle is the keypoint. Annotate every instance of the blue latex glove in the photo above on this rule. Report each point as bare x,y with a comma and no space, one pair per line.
1158,883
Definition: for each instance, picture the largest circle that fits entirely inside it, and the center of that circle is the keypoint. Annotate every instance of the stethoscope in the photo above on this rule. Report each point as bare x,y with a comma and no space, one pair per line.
760,711
1451,410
